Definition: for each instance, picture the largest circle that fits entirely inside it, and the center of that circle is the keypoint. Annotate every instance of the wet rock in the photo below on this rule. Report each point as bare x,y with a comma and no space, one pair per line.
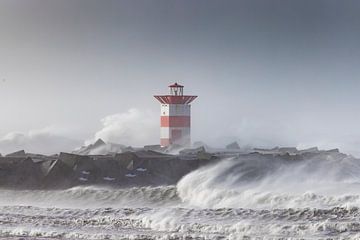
27,174
19,172
195,154
309,150
233,146
20,153
156,148
71,160
100,147
126,160
59,175
192,151
290,150
86,150
45,166
335,150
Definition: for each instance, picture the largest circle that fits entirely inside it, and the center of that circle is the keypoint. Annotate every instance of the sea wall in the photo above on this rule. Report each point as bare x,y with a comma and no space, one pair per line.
131,168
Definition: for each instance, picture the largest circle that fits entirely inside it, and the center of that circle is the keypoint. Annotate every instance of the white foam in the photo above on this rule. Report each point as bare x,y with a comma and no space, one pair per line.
141,169
258,182
109,179
130,175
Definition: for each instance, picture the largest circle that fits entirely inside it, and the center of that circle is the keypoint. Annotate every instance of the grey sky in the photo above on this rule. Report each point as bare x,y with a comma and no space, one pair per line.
266,72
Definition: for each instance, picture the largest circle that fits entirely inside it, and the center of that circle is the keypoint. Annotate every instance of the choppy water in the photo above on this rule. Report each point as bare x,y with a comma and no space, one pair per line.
251,197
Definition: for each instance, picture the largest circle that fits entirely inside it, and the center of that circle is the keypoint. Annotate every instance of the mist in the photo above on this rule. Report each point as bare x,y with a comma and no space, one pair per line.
266,74
134,128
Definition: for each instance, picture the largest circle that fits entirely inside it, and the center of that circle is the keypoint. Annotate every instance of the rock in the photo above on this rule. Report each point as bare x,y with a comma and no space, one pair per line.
99,143
335,150
290,150
20,153
277,150
152,155
131,160
192,151
113,148
40,158
156,148
309,150
195,154
204,156
59,175
27,174
100,147
71,159
45,167
19,172
128,149
86,150
126,160
110,168
233,146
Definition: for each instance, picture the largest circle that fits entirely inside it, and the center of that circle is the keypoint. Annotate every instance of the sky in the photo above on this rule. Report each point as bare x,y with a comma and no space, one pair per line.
267,72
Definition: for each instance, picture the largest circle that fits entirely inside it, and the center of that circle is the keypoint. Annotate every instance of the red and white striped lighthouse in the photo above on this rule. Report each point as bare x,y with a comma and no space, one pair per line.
175,117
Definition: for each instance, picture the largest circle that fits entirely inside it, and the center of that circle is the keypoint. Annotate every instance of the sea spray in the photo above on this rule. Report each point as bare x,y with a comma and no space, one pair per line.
253,196
259,181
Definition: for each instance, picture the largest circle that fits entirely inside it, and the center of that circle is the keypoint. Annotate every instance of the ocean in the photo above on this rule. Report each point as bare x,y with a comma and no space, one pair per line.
247,197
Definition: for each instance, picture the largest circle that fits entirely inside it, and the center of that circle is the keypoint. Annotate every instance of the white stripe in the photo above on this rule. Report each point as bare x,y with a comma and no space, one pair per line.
175,110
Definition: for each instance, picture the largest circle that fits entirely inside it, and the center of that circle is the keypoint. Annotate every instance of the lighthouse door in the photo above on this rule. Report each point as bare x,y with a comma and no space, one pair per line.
176,135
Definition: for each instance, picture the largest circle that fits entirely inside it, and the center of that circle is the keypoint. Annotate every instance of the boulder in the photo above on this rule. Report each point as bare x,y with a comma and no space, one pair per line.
156,148
20,153
27,174
192,151
233,146
309,150
127,160
90,149
290,150
59,175
71,160
19,172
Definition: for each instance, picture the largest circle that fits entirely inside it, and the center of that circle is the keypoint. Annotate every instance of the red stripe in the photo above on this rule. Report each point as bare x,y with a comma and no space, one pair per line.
175,121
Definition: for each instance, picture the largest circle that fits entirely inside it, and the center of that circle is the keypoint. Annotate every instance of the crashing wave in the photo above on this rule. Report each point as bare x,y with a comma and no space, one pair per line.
262,181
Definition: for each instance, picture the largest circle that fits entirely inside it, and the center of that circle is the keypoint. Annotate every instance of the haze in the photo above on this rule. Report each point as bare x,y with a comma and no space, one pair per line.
266,72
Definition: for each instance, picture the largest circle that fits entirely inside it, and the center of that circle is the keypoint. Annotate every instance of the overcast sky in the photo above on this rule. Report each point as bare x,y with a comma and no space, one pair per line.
266,72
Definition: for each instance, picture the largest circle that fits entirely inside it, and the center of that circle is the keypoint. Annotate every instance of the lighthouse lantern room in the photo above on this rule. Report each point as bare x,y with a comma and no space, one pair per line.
175,117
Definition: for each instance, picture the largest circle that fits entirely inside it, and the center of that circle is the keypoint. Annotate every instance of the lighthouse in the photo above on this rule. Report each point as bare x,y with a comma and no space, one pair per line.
175,116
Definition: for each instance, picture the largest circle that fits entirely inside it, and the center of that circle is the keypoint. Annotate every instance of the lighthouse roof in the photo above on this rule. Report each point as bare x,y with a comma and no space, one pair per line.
171,99
176,85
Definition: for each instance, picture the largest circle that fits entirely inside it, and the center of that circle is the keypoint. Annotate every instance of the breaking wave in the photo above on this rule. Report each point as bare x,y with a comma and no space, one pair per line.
91,197
261,182
249,197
